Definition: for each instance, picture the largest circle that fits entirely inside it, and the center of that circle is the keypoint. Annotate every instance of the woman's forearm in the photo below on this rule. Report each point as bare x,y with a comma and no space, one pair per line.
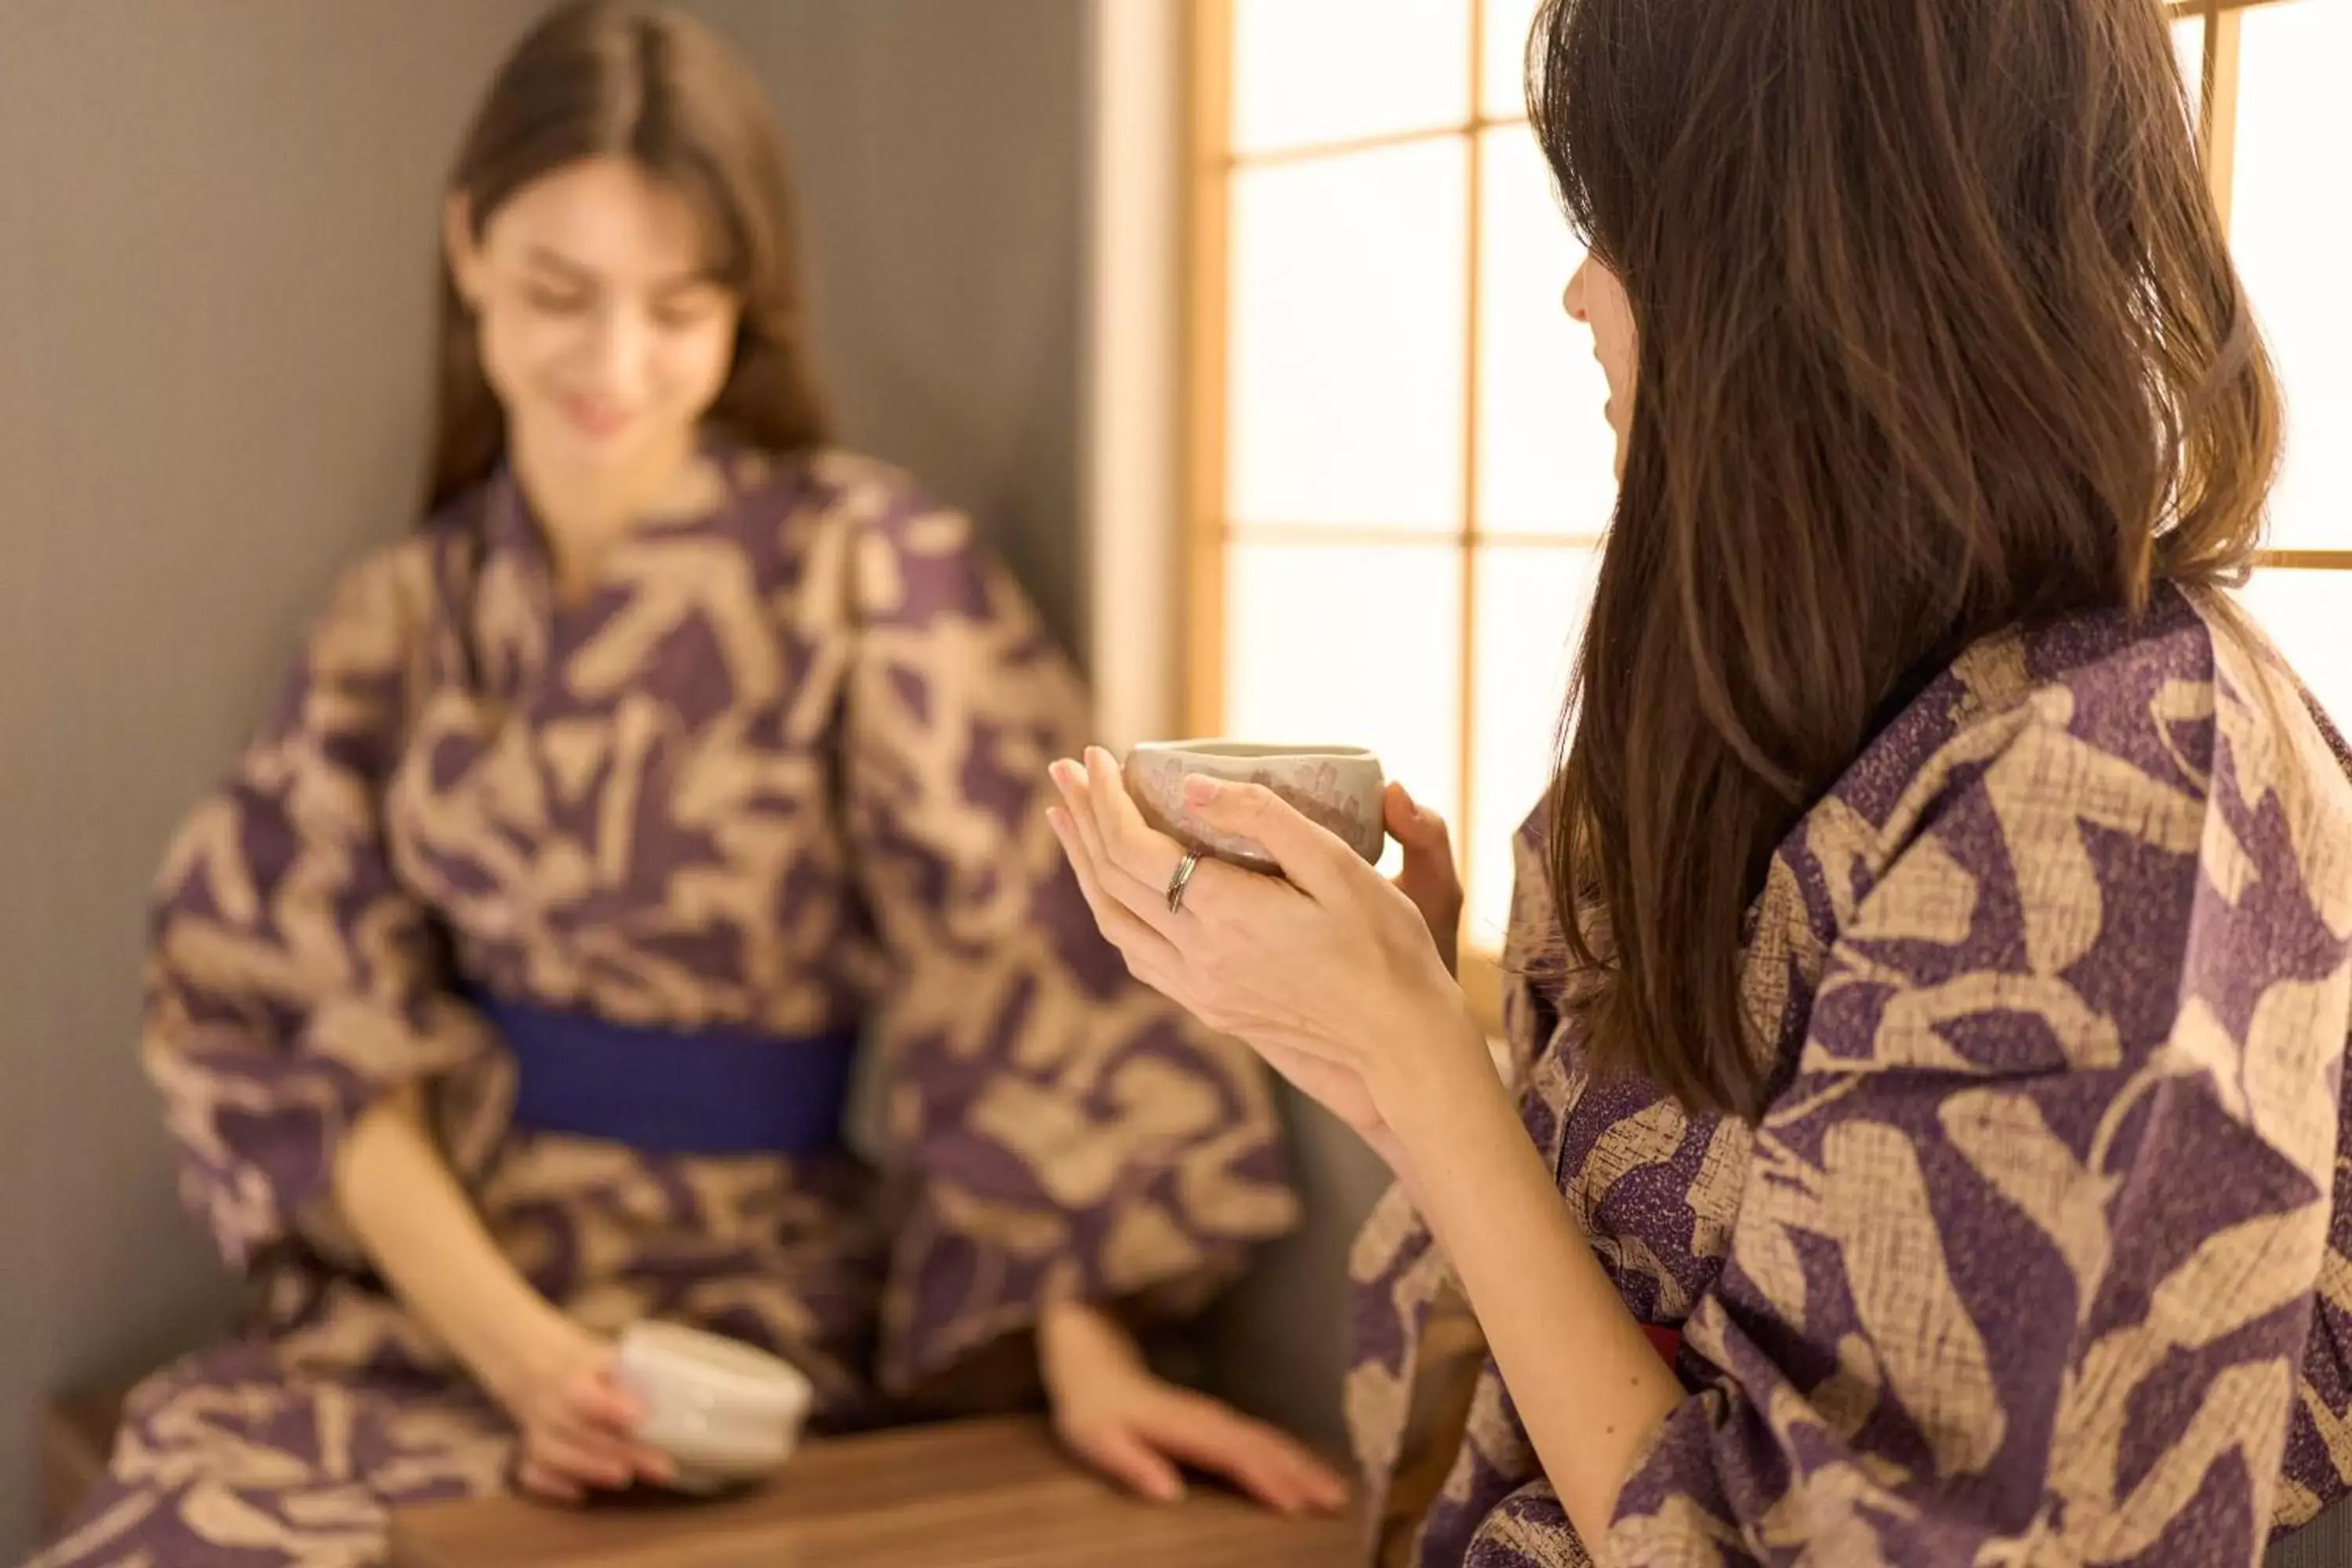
1587,1383
399,1195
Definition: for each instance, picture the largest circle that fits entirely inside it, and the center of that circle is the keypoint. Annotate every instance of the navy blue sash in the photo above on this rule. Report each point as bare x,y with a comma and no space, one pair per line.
674,1091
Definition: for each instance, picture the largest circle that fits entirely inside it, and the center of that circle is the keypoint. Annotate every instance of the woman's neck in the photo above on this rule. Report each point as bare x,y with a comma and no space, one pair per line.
584,513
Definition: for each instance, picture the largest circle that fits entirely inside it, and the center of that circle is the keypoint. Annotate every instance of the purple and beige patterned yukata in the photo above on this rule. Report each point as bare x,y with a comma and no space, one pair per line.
774,782
2042,1253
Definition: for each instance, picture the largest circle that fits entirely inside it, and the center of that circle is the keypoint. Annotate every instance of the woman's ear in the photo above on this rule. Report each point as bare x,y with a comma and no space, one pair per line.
457,243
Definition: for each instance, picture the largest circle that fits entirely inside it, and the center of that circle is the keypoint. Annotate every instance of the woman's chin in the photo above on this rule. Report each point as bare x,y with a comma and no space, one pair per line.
591,449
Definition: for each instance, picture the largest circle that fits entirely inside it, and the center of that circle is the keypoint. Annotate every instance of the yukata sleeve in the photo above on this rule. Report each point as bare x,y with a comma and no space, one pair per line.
289,981
2025,1264
1068,1134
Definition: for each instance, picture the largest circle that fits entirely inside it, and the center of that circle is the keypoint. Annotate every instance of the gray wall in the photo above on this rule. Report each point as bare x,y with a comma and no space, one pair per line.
215,232
939,146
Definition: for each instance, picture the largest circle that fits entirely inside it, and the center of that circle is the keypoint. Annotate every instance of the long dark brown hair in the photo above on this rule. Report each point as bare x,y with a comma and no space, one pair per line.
614,78
1939,335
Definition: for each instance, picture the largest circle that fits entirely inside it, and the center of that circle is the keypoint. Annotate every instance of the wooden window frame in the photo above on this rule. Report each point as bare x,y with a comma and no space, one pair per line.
1207,532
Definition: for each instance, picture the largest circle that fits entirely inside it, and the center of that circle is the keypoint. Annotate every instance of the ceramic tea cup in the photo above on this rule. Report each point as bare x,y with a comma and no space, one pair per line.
725,1412
1338,787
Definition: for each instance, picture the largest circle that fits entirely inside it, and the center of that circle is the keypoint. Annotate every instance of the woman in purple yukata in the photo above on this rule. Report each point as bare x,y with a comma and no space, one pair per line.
1931,969
509,989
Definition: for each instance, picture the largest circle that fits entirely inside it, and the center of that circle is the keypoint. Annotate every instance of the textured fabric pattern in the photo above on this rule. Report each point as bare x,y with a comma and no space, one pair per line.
778,771
2034,1257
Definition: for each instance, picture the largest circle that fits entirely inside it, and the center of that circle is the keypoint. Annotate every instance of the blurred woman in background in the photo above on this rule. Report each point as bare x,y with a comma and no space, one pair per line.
511,988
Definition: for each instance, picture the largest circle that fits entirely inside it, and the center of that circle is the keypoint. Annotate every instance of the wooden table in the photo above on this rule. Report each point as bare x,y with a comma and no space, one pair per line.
971,1494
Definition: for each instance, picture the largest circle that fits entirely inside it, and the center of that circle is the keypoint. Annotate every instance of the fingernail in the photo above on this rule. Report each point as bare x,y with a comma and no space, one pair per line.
1406,796
1200,790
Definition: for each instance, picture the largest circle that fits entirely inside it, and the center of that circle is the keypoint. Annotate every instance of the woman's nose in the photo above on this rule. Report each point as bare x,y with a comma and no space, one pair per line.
621,343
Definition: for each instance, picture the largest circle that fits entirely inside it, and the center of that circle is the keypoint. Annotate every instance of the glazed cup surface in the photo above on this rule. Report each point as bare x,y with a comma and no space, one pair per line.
1337,787
726,1413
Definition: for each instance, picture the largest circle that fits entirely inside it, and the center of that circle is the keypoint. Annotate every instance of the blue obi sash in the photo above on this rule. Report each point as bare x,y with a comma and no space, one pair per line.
674,1091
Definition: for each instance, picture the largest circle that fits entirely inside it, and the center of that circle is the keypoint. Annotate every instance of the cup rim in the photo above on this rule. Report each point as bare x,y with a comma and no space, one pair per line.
1232,751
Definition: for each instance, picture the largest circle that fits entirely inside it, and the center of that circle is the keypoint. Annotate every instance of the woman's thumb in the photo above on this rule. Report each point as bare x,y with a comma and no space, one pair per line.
1409,825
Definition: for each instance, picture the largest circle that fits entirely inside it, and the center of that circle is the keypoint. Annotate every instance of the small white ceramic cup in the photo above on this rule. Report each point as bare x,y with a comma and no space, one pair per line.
726,1413
1338,787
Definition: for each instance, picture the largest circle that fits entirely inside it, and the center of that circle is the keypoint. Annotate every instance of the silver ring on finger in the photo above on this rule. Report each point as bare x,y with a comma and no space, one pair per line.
1182,881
